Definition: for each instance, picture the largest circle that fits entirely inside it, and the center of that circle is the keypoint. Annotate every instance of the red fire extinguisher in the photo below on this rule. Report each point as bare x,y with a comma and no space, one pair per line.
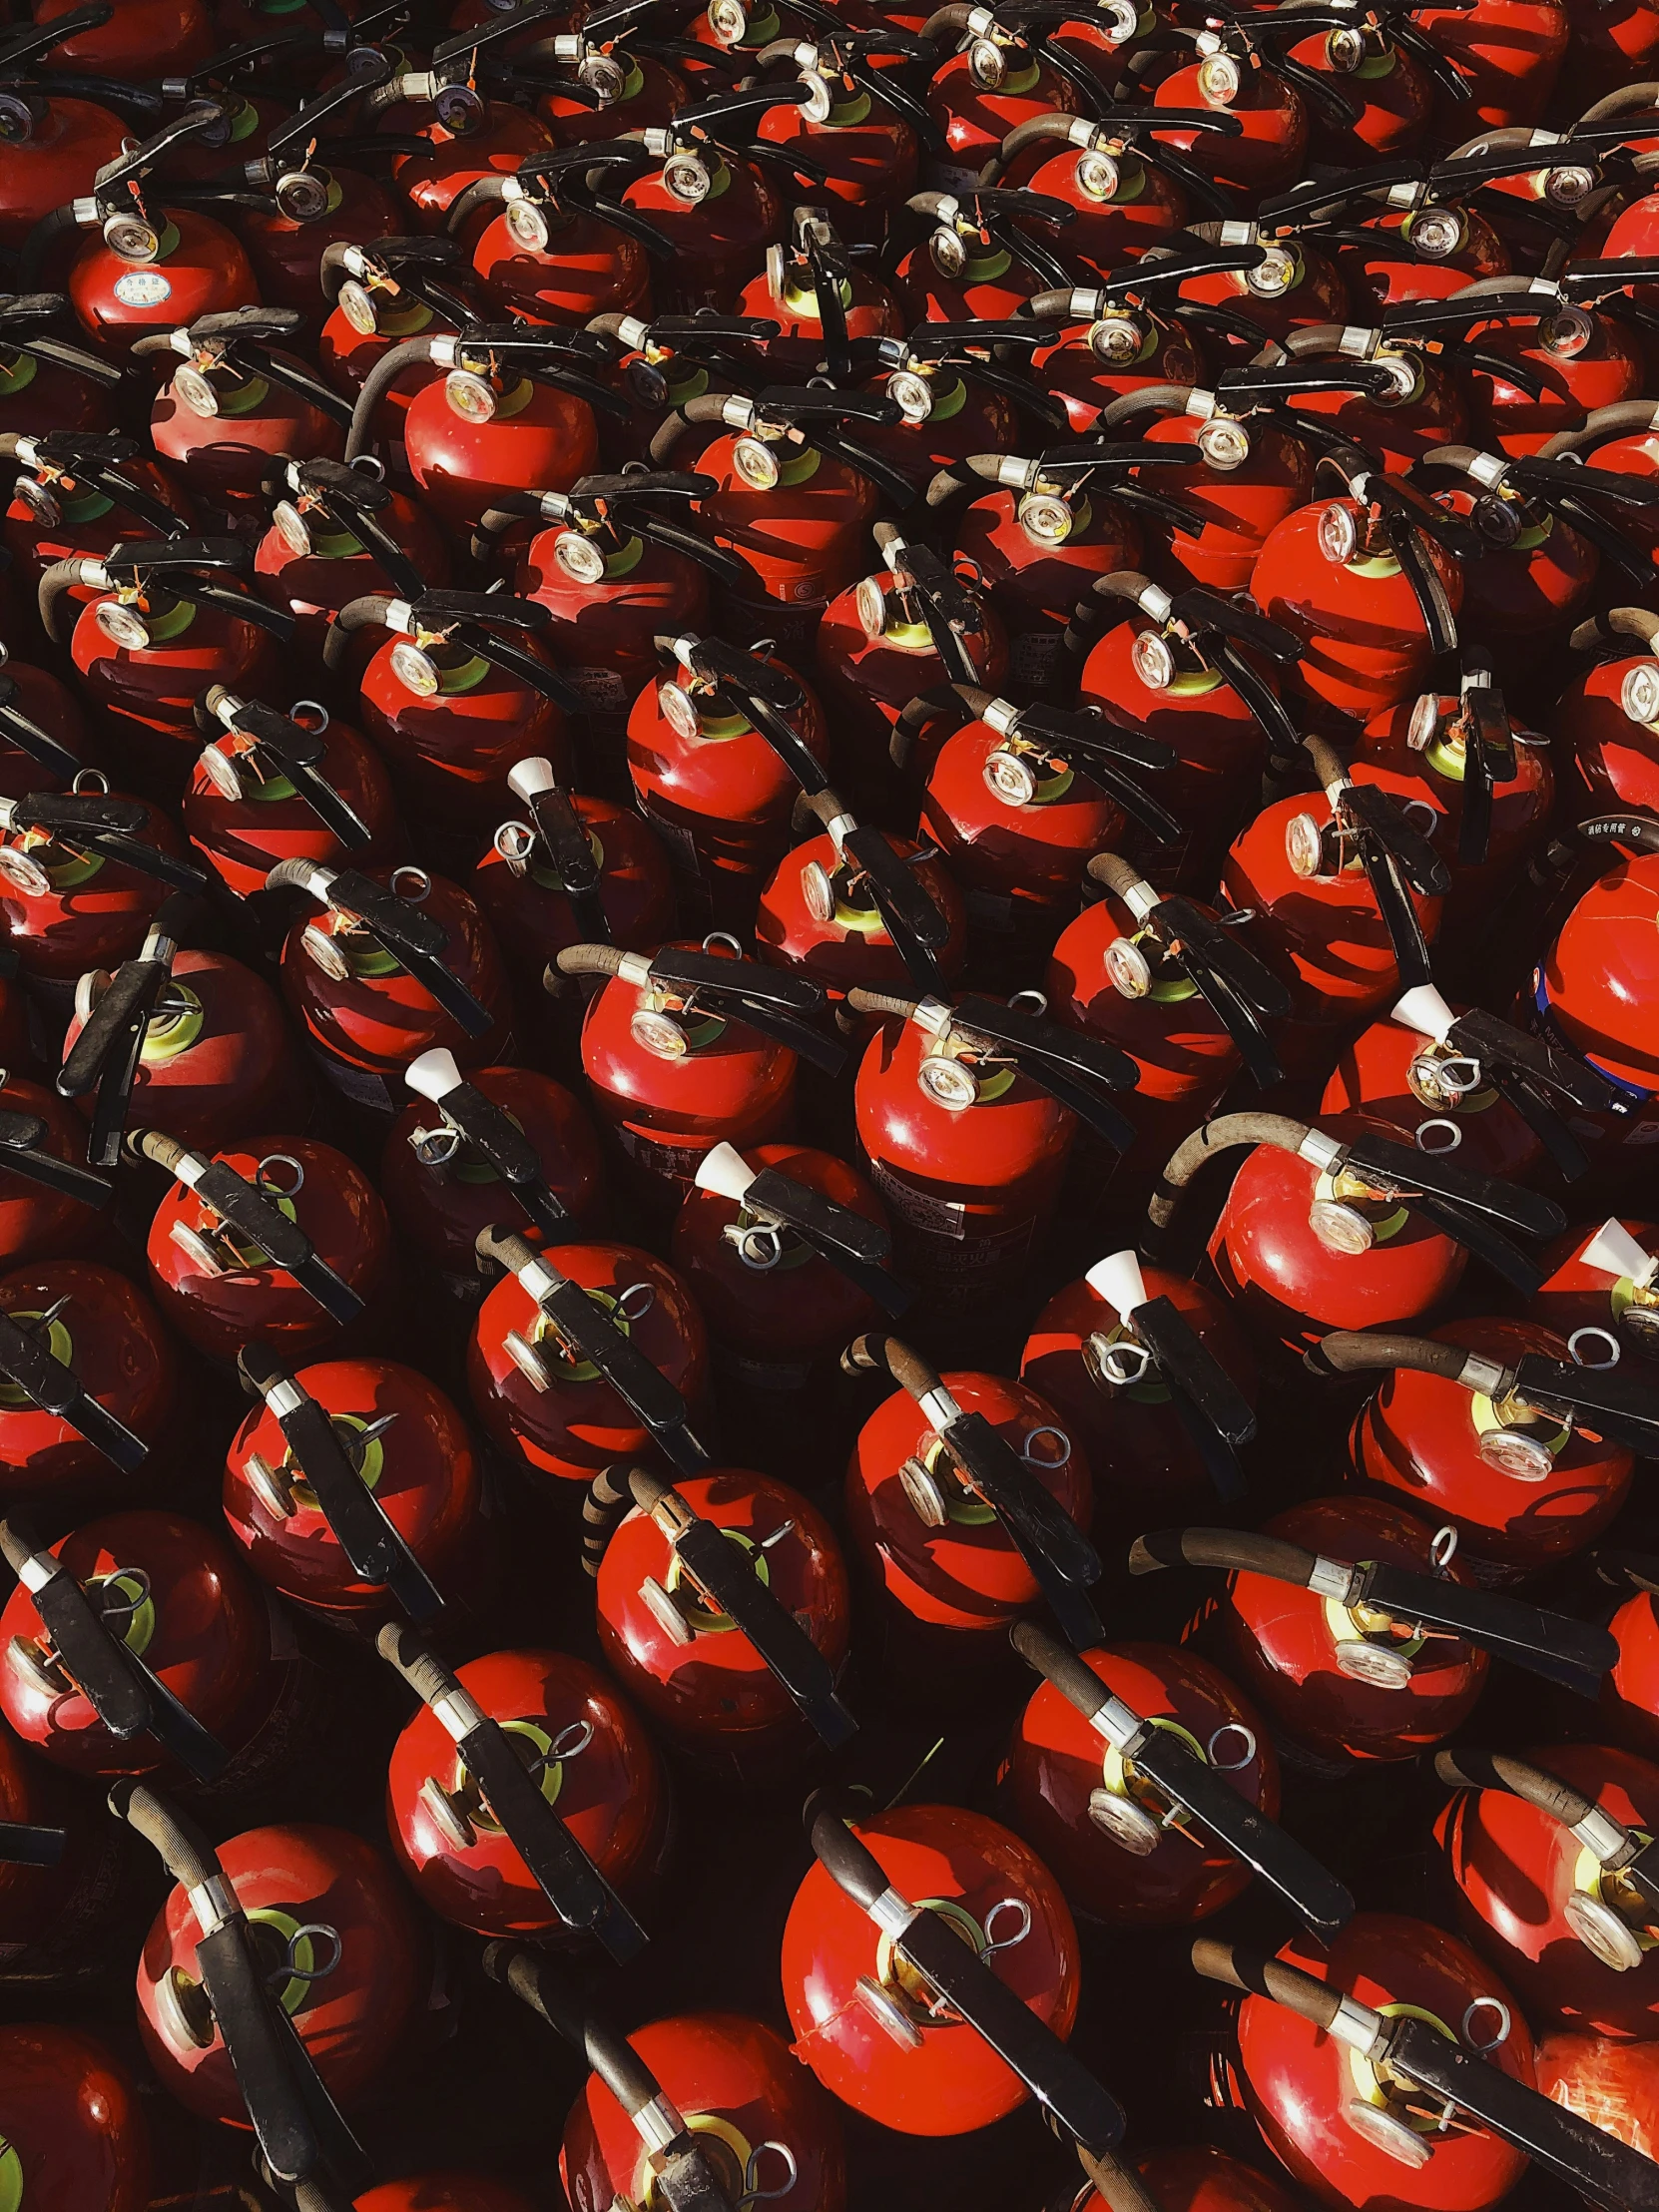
1138,1753
282,1977
615,87
1574,1834
540,246
77,492
858,905
502,1134
967,1114
935,2018
452,702
821,302
1605,1279
692,1045
1589,993
524,1799
193,1040
470,134
1128,192
707,2107
992,81
140,1644
1607,713
1349,1227
973,265
956,394
165,624
785,1253
34,405
280,786
232,1252
90,1374
1495,1427
157,263
338,535
577,870
1154,1379
583,1356
860,124
60,126
1271,100
1290,287
667,360
1388,69
74,2121
1408,236
352,1489
379,294
795,496
397,963
43,737
49,1203
1394,2063
968,1502
1357,1662
723,1609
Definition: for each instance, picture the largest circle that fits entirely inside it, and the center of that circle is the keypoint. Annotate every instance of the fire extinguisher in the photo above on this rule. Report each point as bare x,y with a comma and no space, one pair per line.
615,87
896,636
1588,993
43,738
1574,1833
469,134
49,1203
1411,236
709,2107
1350,1228
670,359
507,411
450,701
940,2016
859,906
502,1133
973,265
1291,285
282,1977
60,125
1127,193
954,396
689,1046
1450,1079
1494,1427
615,572
399,962
82,874
994,79
352,1489
1389,69
90,1376
1607,713
548,250
967,1115
1603,1280
584,1356
1019,799
233,1252
1138,1753
76,491
379,294
786,1252
74,2119
579,870
524,1799
861,124
1271,100
139,1644
717,752
820,302
1374,1660
33,404
166,622
723,1608
1153,1377
274,786
192,1039
1115,338
968,1502
795,496
1395,2051
157,263
338,535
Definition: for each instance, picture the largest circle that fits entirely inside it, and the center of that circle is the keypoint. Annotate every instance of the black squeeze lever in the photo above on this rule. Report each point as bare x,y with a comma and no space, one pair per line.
99,823
257,1219
725,1575
564,842
27,1361
492,1136
22,1844
562,1870
26,318
296,2123
138,572
1568,1653
374,1549
105,1057
919,928
1068,2093
777,1204
1391,852
774,1000
472,620
1209,1404
748,686
414,939
21,1139
1063,1561
1101,749
128,1698
287,748
592,1336
1191,1785
935,592
353,503
1461,1201
95,459
682,2177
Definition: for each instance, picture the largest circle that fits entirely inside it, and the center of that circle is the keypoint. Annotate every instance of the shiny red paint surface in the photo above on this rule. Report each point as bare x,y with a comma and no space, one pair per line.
1574,1296
226,458
145,696
1030,858
953,2081
1520,803
122,1358
49,169
801,540
610,1792
852,947
464,468
1617,756
1267,151
602,636
74,2121
34,1223
1599,975
1239,506
533,919
449,753
1374,1077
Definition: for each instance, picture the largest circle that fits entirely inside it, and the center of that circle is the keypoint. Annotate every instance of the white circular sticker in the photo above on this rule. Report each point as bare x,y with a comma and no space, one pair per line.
142,287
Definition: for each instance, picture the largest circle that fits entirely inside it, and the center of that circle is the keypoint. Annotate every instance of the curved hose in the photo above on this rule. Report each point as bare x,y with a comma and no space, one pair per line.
1317,338
37,247
1299,1992
707,407
1328,764
293,876
1461,457
535,1978
1511,134
1123,583
482,191
1623,102
1224,1134
1637,829
379,380
1042,306
950,482
1115,874
873,1354
590,959
1366,1350
1500,287
955,17
1616,622
495,520
60,576
154,1145
1228,1550
885,1003
1033,132
607,326
366,613
392,93
159,341
1148,399
604,1509
176,1840
1623,417
506,1248
1497,1769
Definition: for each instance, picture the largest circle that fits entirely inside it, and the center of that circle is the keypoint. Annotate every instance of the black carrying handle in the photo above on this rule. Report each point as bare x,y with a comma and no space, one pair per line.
414,938
492,1136
57,1390
843,1239
21,1153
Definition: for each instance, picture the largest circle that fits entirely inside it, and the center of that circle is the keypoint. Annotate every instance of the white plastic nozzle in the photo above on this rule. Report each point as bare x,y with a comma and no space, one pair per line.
726,1172
1425,1012
1119,1280
433,1075
1614,1250
527,779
